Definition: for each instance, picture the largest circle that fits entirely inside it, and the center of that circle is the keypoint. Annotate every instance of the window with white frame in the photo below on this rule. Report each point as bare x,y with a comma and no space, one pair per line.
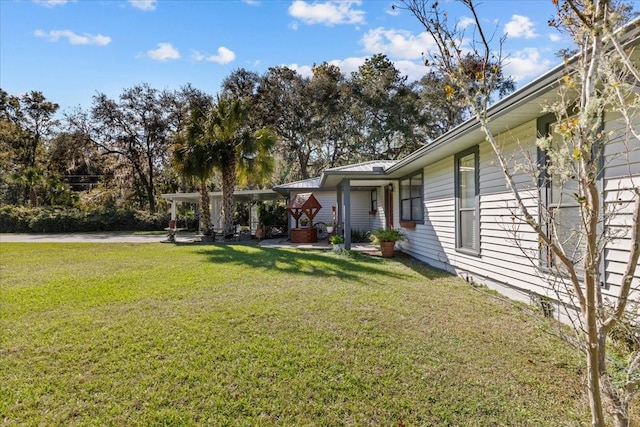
467,206
411,198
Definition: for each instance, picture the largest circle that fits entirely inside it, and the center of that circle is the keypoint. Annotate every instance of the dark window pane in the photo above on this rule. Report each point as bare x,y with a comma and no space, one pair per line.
406,210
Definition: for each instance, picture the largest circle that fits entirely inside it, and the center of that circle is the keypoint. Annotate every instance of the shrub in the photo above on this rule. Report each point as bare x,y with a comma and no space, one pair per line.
18,219
360,236
387,235
336,240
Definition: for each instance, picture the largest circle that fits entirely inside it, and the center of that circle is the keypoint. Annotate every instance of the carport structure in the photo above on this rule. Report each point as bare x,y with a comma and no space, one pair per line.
215,197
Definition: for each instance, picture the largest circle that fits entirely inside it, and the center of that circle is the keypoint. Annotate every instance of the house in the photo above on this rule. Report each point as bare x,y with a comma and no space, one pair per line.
354,197
451,199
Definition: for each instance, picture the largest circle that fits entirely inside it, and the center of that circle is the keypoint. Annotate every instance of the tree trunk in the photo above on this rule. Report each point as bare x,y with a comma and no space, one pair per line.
593,364
205,216
228,185
33,196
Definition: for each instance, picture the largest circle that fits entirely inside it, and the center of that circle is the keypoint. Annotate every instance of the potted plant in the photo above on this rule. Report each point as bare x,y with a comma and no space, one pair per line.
387,239
337,242
304,222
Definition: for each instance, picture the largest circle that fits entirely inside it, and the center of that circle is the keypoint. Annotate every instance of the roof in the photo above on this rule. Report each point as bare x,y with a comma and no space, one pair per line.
310,183
239,196
370,170
370,166
332,177
515,109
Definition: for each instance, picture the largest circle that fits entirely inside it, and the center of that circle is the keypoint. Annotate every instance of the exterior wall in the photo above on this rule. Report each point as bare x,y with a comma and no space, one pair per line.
508,259
621,157
360,206
379,218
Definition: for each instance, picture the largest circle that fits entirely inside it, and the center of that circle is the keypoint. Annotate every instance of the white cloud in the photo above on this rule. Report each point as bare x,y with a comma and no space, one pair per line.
348,65
397,43
51,3
526,64
328,13
393,11
520,27
164,52
555,37
73,38
146,5
303,70
413,70
466,22
224,56
251,2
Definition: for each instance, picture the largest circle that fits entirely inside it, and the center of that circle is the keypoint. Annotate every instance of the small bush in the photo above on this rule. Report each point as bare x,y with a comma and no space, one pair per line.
18,219
387,235
360,236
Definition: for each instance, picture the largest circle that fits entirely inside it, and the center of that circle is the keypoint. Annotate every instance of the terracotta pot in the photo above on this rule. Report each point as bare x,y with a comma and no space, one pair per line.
387,249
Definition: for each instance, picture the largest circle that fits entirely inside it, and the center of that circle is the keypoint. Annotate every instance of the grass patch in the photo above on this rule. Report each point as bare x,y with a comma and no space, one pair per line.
140,334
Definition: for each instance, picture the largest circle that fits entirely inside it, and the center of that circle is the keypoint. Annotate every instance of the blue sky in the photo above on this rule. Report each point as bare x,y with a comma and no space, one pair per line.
70,50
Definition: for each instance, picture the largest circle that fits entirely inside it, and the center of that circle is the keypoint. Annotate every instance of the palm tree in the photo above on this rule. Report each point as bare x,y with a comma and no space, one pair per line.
193,159
240,155
31,178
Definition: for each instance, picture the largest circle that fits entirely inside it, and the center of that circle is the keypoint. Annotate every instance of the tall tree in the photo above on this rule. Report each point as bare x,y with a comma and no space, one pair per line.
137,129
26,123
392,121
35,117
328,97
602,80
238,151
193,158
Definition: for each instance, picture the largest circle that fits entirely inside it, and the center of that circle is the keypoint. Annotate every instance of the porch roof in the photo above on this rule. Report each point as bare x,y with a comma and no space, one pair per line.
239,196
365,174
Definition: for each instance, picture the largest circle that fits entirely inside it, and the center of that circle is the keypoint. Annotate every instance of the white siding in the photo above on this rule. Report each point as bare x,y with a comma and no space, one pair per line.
622,173
509,248
501,260
360,206
378,220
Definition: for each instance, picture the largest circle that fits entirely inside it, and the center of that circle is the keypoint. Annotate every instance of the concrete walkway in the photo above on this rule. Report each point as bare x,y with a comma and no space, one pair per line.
91,238
280,242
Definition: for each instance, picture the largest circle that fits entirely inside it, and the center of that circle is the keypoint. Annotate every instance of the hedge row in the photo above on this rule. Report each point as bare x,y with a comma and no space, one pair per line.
19,219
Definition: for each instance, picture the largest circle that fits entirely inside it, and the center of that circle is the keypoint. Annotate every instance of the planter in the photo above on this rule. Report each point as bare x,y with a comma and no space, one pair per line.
387,249
338,246
408,224
304,235
329,229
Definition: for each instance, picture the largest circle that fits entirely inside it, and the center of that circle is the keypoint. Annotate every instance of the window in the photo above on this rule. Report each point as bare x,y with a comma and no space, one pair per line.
374,200
411,193
559,208
467,209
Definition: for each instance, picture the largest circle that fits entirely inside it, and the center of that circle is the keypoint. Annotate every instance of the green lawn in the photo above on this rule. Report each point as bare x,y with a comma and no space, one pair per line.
237,335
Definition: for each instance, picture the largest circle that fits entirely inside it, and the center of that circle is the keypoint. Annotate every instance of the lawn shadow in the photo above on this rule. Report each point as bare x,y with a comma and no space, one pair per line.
344,265
422,268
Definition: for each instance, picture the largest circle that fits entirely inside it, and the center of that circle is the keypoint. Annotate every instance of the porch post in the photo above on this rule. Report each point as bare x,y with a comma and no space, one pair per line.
215,213
339,205
347,214
173,209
